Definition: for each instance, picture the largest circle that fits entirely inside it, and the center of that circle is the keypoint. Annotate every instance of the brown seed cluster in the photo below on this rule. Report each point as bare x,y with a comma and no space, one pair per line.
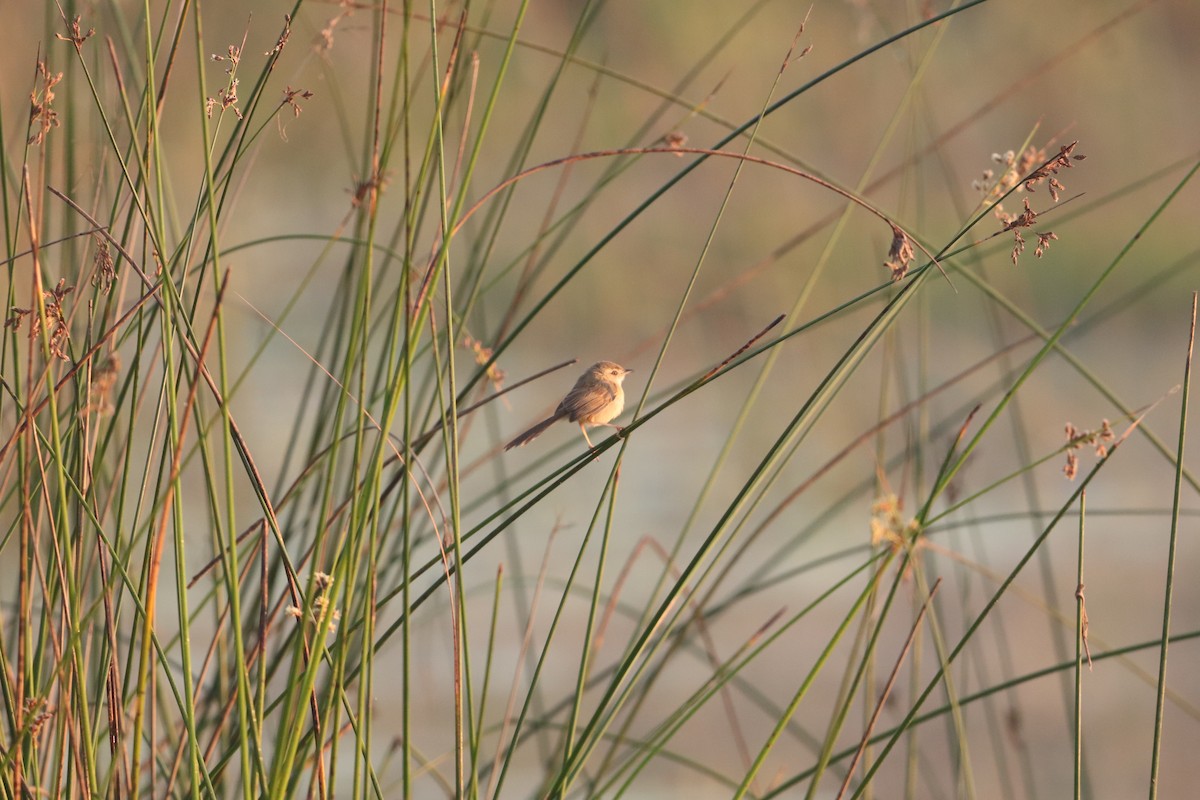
1025,220
1037,169
483,354
38,712
75,34
994,188
227,97
55,317
888,525
291,97
900,254
284,35
42,116
319,604
1048,172
1098,439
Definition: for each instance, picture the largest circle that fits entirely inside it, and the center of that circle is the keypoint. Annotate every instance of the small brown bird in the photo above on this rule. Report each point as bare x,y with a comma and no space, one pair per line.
596,399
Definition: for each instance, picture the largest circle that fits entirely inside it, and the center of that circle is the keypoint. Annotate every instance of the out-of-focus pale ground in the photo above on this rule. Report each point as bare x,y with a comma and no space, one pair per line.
1127,93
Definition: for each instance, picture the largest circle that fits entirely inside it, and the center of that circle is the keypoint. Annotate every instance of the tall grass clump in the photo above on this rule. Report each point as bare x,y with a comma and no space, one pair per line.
900,504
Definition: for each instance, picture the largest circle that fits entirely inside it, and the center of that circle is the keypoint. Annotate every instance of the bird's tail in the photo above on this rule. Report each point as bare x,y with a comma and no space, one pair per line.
534,432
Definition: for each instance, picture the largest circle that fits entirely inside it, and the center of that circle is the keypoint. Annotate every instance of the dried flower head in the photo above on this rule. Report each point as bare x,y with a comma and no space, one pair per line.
55,317
37,712
227,97
233,54
74,34
890,529
1023,220
1024,173
1098,439
482,356
290,96
1071,468
887,521
1048,171
993,187
1018,245
42,116
1026,219
1044,240
900,254
885,514
284,35
318,604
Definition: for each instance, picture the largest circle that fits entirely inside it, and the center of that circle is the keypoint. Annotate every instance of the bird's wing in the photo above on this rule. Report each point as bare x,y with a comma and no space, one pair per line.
583,402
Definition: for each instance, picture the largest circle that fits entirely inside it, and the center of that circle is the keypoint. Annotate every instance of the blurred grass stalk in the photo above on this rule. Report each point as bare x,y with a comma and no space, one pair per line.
260,673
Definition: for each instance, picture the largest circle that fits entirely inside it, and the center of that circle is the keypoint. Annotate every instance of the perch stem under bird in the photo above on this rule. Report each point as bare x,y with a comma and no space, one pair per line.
596,399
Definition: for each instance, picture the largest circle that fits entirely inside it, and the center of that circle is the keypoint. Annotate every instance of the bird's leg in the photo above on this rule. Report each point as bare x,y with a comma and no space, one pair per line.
583,430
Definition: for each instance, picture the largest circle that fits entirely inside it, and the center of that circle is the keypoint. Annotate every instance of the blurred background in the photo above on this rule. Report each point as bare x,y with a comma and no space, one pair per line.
910,128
